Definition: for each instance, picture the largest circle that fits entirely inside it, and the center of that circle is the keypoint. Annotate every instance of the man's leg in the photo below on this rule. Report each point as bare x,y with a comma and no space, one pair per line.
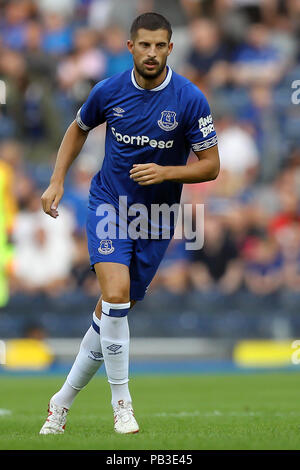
114,282
87,362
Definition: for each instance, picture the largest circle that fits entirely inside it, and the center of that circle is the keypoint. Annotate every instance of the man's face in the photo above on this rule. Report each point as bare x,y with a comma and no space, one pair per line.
150,50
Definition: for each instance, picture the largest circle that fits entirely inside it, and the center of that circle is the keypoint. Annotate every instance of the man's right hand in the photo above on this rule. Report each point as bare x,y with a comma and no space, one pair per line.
51,197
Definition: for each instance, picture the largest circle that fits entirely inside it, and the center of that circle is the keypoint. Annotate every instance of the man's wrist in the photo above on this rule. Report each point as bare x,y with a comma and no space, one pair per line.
172,173
168,173
59,181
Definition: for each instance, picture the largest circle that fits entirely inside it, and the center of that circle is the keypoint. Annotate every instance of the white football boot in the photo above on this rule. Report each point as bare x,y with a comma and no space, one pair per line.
56,420
125,422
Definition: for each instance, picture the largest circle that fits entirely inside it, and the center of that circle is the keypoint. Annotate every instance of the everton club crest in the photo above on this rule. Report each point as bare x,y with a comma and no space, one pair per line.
167,121
106,247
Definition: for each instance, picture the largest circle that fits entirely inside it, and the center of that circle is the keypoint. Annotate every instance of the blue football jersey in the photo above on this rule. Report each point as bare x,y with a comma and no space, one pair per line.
160,125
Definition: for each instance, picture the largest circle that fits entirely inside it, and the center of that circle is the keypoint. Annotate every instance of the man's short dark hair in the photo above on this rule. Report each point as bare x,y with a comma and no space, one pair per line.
151,21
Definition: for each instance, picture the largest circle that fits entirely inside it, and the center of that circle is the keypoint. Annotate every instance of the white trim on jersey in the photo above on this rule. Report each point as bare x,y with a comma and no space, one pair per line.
80,123
159,87
205,144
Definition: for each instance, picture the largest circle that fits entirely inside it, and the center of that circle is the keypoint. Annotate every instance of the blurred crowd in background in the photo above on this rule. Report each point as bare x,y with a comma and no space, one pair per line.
243,54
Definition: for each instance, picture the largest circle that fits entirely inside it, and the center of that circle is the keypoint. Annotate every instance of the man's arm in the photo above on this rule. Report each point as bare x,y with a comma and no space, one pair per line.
206,169
70,147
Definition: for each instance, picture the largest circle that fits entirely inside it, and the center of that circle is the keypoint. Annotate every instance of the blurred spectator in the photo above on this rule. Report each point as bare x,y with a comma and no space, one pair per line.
82,279
237,149
77,192
13,23
288,215
7,214
13,69
57,37
86,62
43,250
291,258
257,61
208,57
179,13
104,12
118,56
262,115
24,191
268,195
57,6
9,166
173,271
263,266
217,264
11,152
41,66
34,331
99,14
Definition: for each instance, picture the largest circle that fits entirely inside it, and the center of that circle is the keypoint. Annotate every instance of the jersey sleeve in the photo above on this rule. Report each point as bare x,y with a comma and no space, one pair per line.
199,131
92,112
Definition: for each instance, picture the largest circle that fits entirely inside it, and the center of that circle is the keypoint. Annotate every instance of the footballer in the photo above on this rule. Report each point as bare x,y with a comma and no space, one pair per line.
154,117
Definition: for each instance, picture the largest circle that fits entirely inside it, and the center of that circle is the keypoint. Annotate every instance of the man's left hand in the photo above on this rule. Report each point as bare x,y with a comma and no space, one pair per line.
148,173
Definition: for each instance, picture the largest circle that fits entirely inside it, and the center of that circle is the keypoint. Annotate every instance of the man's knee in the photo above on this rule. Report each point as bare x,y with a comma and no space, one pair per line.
98,309
116,297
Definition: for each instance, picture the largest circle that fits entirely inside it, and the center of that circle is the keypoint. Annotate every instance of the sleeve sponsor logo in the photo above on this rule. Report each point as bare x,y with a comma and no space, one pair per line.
206,125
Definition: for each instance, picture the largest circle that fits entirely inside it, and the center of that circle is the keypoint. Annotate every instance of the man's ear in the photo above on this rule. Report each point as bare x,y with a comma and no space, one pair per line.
130,45
170,48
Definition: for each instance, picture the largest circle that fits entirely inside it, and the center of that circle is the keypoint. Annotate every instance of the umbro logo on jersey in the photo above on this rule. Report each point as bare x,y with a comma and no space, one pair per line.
118,111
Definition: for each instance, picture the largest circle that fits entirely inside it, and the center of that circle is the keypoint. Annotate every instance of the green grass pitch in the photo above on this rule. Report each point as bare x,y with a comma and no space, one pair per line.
250,411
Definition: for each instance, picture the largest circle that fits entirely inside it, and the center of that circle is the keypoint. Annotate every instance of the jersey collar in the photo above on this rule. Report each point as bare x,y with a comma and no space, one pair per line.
159,87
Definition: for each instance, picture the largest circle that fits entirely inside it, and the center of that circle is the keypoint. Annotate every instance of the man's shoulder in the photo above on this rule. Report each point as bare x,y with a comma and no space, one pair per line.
185,87
115,82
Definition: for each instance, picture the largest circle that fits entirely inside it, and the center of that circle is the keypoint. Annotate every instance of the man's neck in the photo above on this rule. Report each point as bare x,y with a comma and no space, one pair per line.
150,83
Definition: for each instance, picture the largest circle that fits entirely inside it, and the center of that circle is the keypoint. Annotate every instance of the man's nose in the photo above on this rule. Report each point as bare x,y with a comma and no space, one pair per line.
152,52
